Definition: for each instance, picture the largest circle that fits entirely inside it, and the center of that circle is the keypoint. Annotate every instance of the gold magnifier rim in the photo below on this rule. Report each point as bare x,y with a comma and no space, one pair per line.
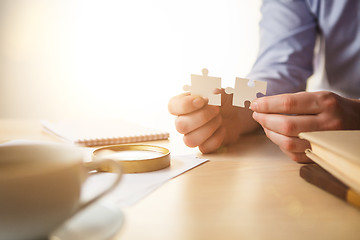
138,165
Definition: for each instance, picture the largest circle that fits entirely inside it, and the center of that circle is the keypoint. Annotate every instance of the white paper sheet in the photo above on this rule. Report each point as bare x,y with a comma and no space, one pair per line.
135,186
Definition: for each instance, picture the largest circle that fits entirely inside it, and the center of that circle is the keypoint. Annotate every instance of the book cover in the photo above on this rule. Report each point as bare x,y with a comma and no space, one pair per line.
338,152
319,177
102,132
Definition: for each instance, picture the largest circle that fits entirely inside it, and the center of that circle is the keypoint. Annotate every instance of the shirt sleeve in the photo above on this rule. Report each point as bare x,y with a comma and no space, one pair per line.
288,32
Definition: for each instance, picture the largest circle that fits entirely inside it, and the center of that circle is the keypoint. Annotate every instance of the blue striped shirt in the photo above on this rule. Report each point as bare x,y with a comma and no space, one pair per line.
299,38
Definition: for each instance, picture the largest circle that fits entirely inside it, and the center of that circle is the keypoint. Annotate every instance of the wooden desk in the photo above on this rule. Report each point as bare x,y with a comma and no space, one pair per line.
252,191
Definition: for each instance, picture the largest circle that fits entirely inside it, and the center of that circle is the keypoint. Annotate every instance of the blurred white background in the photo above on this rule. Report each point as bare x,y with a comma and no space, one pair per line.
117,59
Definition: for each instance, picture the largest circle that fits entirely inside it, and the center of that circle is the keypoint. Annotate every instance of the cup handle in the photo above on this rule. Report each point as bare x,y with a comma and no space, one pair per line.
98,166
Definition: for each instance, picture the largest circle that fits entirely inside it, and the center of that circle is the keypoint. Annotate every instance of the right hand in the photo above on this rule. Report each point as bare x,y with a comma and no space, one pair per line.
209,127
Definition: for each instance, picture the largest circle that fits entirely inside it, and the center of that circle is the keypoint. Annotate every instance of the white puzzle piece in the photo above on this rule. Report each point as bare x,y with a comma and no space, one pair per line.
246,90
204,86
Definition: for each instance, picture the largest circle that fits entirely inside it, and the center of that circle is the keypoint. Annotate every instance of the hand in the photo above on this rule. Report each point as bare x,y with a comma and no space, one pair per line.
284,116
206,126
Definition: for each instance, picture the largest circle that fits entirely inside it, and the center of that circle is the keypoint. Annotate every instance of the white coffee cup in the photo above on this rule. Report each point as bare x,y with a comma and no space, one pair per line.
40,187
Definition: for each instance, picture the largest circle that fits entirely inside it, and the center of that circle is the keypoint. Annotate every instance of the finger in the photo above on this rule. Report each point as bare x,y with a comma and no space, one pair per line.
226,99
297,157
187,123
200,135
290,144
213,142
294,103
185,103
288,125
219,91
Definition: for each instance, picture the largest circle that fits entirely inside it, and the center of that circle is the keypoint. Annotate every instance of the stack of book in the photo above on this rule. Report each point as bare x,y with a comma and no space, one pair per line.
337,158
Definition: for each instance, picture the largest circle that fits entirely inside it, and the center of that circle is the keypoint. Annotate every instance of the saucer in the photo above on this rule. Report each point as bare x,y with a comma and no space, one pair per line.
100,221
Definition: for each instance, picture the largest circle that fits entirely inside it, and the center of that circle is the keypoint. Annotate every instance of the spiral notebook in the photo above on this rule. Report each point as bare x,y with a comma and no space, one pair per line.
92,133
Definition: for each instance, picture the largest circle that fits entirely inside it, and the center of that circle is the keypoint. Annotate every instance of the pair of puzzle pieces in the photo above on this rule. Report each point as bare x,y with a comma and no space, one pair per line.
244,90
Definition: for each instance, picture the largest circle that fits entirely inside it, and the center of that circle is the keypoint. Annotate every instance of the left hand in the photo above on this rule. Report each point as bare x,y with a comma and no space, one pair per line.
284,116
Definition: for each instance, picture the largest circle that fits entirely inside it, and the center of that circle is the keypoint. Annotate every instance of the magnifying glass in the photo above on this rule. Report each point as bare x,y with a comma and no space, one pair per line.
134,158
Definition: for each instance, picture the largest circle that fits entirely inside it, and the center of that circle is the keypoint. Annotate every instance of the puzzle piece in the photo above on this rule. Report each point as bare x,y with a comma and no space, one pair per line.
246,90
204,86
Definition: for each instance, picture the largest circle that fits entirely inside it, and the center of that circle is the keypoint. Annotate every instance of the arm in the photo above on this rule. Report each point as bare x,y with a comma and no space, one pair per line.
287,39
284,116
287,42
